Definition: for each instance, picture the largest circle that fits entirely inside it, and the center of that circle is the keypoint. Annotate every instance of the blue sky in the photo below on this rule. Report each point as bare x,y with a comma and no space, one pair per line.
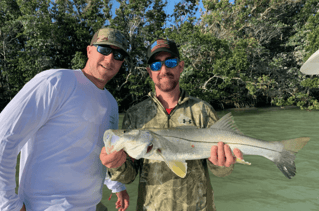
169,9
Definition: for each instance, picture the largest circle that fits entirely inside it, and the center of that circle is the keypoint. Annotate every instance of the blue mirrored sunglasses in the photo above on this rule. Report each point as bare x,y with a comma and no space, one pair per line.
170,63
106,50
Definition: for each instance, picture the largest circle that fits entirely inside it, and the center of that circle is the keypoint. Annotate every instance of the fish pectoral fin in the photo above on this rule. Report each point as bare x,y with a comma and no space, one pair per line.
242,161
178,167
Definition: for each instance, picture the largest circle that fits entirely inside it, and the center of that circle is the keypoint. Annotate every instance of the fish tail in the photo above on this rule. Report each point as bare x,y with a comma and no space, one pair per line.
286,160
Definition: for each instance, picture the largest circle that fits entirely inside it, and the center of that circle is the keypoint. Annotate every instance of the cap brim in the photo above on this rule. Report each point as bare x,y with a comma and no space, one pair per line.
160,50
311,66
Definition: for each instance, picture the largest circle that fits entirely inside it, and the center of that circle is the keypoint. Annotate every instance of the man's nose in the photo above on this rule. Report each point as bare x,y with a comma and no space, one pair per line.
164,69
109,58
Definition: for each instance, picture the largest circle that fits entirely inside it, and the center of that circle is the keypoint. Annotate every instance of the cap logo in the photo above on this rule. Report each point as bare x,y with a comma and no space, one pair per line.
159,44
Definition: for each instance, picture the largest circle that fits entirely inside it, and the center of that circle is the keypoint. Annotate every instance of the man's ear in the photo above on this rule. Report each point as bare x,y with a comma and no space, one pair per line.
149,71
181,66
88,50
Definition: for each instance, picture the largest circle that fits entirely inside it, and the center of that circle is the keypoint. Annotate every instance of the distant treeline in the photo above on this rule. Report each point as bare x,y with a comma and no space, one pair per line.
246,53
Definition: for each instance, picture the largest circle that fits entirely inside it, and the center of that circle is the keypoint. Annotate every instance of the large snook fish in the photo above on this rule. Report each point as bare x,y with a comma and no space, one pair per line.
174,146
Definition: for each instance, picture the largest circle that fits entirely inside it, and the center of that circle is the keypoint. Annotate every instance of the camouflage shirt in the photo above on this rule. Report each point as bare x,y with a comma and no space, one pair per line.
159,188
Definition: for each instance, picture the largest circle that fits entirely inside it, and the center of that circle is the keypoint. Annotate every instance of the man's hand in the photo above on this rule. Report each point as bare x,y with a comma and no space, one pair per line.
23,208
123,200
221,155
113,160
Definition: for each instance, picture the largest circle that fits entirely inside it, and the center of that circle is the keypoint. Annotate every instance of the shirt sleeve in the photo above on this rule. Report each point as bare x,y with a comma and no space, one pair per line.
115,186
19,121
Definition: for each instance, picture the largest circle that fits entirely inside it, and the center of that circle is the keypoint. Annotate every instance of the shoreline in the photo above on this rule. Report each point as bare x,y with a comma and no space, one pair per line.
269,108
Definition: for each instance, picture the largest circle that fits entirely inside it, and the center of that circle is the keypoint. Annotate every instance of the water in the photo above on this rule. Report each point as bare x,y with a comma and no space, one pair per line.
262,186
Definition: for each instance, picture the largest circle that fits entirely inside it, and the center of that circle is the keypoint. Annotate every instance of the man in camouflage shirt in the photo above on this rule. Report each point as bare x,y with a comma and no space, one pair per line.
170,106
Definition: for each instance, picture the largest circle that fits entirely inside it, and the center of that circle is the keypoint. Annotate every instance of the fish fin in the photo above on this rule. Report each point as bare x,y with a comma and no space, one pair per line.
286,163
178,167
242,161
227,123
294,145
286,160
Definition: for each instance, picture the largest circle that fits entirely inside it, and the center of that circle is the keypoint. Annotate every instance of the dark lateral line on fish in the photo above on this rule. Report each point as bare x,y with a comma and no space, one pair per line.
225,143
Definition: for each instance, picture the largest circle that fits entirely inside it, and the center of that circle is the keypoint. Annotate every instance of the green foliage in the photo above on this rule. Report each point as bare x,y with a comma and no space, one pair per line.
313,35
213,67
246,53
310,83
278,32
10,44
78,61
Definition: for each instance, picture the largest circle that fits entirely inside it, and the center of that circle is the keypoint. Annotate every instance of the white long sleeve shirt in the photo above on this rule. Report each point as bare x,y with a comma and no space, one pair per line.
57,121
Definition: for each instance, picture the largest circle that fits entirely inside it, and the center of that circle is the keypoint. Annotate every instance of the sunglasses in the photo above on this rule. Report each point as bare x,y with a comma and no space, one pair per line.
106,50
169,63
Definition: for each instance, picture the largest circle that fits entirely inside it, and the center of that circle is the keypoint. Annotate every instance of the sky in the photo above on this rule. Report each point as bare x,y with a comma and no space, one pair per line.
169,9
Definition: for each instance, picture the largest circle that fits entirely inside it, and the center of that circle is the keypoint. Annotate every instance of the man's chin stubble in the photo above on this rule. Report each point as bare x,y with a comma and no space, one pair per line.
166,88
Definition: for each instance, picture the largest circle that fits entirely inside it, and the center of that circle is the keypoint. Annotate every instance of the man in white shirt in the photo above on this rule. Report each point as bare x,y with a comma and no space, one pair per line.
57,121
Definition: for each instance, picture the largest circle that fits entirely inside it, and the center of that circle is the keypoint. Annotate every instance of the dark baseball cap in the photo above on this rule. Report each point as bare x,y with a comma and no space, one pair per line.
109,36
161,45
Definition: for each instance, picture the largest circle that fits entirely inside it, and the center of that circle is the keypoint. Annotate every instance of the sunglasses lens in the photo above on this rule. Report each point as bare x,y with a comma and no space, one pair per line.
156,66
104,50
118,55
170,63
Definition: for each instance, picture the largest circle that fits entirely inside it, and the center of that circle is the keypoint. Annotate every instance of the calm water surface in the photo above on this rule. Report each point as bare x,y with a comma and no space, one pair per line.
262,186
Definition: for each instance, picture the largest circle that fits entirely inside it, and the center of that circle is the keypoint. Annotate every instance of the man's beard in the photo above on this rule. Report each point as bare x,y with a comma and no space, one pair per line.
166,86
